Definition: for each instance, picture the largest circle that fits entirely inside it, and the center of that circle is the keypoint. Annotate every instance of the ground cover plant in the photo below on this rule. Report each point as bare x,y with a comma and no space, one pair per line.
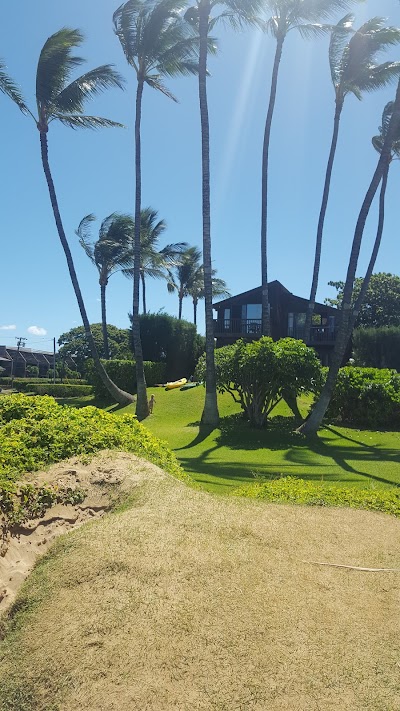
36,431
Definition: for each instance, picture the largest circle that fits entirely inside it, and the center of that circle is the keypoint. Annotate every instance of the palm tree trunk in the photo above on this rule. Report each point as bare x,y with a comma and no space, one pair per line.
195,312
266,321
375,251
321,221
314,421
180,302
143,293
210,415
120,396
142,406
104,321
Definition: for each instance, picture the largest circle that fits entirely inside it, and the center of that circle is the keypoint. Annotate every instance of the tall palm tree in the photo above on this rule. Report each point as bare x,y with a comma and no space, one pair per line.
154,262
59,100
184,275
354,71
314,421
305,16
157,43
378,143
196,289
109,254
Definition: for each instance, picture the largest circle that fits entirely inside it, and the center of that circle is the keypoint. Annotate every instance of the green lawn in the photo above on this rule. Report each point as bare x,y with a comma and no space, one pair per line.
234,454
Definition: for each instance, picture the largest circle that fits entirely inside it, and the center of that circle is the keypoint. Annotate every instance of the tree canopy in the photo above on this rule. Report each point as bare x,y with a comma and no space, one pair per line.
381,306
74,344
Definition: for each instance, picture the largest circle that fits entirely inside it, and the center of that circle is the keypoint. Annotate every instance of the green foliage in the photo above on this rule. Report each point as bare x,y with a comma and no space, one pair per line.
54,389
36,431
123,374
33,371
73,344
381,305
261,373
290,490
377,347
172,341
368,397
25,502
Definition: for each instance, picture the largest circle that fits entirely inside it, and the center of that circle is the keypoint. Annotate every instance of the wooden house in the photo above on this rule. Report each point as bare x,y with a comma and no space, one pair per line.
240,317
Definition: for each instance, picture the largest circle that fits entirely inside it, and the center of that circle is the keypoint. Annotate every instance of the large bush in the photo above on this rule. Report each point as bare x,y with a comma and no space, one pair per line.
377,347
369,397
260,374
36,431
123,374
54,389
172,341
73,344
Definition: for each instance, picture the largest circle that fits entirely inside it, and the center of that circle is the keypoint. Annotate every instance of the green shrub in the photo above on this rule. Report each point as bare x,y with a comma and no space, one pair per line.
56,390
377,347
291,490
42,381
261,373
123,374
367,397
36,431
28,501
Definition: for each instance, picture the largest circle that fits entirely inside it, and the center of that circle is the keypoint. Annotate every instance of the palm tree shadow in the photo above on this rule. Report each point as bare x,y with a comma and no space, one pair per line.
203,433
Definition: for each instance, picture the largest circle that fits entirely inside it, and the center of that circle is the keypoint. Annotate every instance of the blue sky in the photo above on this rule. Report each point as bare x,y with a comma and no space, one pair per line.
94,171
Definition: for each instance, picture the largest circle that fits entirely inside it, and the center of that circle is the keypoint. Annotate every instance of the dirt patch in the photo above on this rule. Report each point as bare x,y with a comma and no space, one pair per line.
105,479
191,602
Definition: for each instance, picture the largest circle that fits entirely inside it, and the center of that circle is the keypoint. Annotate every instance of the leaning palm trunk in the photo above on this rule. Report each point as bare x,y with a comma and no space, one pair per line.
120,396
375,251
210,415
311,426
104,321
321,222
266,321
142,407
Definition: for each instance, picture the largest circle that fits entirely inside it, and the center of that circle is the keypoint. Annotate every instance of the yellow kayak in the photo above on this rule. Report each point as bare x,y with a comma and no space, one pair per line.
176,384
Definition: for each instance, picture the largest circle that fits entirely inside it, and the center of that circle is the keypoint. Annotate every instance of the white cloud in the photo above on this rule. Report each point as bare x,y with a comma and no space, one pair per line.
37,331
8,328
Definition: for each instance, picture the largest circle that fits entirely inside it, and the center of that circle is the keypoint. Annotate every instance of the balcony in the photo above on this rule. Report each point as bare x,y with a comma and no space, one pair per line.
251,328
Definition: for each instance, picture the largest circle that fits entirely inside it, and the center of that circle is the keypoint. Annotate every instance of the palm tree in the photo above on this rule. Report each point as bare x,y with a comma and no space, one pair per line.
378,143
58,100
196,289
306,17
354,71
154,262
184,275
109,254
392,132
157,43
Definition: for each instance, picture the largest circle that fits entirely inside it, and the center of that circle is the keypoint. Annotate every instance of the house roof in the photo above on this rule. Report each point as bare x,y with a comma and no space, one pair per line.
274,286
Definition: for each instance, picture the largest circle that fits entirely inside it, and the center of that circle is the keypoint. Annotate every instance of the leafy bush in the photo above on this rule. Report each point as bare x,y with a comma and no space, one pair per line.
260,374
377,347
172,341
123,374
17,381
56,390
33,371
367,397
36,431
291,490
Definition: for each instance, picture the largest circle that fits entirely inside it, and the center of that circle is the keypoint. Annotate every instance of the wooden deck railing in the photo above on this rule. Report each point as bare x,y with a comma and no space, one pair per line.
237,327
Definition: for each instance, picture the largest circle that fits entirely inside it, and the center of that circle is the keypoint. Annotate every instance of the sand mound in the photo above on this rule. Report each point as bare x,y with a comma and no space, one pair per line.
105,479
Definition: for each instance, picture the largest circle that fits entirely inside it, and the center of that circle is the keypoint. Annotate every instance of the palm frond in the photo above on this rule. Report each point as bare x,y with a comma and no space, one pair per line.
155,83
84,234
72,99
317,10
78,121
10,88
377,77
338,42
55,65
310,31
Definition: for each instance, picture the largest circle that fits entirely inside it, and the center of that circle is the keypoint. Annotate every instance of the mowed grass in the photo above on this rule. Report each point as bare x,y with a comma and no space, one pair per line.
234,454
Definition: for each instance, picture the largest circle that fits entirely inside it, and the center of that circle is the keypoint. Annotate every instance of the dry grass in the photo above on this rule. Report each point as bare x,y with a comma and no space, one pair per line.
190,602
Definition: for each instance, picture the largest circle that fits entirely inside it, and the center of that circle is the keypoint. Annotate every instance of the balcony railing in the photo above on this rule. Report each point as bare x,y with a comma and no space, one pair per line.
252,327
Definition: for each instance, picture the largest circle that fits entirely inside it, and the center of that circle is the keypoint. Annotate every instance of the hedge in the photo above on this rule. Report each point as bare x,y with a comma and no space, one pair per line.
368,397
56,390
17,381
123,374
377,347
